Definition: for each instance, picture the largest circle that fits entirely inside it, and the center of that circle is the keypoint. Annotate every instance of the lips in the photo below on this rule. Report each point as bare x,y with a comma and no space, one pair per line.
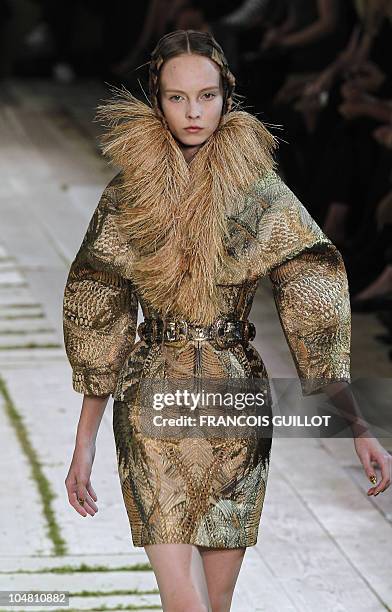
193,129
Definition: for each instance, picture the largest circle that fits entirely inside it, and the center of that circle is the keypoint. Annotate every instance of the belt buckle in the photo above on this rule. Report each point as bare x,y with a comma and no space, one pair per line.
225,332
198,332
175,333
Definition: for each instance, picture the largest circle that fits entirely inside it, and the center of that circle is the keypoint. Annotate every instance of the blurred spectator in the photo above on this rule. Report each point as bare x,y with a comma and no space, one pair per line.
359,85
309,38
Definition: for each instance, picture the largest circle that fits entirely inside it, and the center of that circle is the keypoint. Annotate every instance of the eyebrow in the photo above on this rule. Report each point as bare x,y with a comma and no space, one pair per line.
204,89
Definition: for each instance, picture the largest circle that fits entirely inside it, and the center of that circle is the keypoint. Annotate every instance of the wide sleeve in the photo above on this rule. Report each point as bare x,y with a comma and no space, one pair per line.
100,306
310,289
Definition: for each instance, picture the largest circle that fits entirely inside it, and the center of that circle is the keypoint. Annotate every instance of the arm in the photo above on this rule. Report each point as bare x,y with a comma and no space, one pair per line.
325,24
99,306
367,106
77,482
342,62
311,294
312,299
99,323
367,447
289,23
310,286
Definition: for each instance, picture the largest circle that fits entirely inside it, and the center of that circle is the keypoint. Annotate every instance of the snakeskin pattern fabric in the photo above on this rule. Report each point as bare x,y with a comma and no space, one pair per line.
208,492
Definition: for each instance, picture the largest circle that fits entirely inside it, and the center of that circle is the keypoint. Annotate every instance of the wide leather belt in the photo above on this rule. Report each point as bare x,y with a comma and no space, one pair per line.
224,331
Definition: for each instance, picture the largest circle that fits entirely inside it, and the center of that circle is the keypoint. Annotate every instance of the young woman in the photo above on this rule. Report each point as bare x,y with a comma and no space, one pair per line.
193,220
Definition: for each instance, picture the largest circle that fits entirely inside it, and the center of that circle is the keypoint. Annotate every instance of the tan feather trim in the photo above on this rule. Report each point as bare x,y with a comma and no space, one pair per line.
174,213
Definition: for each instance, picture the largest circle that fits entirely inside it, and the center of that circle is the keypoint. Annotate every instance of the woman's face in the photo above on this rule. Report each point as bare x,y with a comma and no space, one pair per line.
191,95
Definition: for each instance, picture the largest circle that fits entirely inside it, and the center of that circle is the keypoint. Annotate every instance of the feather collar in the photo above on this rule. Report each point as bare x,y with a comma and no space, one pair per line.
173,213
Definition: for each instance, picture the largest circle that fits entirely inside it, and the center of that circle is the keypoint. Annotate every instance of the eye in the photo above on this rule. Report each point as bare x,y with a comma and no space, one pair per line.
210,94
175,96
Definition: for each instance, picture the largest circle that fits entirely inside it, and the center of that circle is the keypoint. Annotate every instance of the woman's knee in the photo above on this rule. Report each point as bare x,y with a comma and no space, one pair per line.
185,598
179,587
184,606
221,602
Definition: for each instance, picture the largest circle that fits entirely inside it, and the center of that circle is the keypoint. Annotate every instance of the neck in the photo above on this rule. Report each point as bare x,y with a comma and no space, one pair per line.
189,151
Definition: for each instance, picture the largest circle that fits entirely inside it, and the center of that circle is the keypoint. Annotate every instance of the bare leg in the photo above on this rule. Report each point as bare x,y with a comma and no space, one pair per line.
180,577
221,567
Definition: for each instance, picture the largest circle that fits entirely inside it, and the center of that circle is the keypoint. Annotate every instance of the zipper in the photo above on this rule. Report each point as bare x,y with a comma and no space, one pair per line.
198,367
198,360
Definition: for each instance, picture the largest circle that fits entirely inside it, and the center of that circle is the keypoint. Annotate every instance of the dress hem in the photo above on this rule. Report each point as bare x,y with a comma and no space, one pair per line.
146,543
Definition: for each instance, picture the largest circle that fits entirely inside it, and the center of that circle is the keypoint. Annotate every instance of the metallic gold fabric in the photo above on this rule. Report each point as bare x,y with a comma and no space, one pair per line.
174,211
99,306
205,492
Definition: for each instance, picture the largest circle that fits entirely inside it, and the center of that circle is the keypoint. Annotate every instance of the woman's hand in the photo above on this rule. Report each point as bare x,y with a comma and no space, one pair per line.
271,38
350,92
368,450
78,482
362,106
369,76
318,85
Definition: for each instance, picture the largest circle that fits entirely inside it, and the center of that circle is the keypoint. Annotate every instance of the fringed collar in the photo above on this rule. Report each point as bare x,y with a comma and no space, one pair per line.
174,213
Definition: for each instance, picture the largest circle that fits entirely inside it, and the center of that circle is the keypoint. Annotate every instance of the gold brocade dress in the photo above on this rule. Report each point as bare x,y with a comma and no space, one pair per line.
207,492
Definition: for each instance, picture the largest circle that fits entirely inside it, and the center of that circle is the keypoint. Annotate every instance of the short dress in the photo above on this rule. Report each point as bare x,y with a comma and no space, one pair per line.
193,490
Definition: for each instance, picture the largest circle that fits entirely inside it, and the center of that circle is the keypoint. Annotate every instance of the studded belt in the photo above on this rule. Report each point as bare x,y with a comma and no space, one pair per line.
224,331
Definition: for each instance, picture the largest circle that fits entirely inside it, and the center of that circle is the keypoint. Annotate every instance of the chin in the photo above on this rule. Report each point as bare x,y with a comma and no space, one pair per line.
193,139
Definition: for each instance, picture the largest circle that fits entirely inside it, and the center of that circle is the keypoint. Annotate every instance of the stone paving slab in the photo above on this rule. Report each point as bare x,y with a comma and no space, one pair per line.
323,546
19,498
42,338
14,295
11,562
18,358
22,325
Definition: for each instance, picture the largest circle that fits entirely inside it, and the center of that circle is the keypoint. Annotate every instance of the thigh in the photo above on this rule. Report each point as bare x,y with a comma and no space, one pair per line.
221,568
180,576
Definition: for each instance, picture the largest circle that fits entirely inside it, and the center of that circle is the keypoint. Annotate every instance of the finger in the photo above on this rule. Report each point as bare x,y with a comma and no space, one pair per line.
75,504
91,491
385,465
89,503
72,487
370,472
84,502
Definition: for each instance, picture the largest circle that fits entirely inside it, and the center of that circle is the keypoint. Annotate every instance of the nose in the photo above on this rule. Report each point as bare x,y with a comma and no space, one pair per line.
193,109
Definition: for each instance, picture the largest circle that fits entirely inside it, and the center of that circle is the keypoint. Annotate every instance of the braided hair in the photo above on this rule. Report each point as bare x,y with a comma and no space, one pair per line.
189,41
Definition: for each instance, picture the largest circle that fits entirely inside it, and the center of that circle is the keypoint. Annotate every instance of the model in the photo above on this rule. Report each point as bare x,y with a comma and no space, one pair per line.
193,220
